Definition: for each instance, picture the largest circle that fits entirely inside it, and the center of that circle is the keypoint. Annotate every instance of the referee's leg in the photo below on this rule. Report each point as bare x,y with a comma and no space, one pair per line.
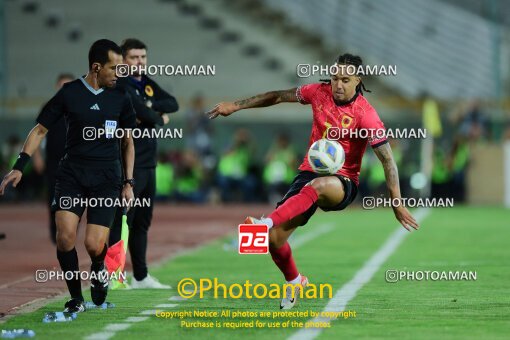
67,224
96,237
51,170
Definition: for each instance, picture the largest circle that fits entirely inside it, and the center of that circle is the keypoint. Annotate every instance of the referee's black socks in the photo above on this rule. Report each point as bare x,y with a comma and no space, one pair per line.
69,263
98,261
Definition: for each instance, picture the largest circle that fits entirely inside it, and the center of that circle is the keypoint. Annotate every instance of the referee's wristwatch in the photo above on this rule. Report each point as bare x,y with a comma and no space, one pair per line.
130,181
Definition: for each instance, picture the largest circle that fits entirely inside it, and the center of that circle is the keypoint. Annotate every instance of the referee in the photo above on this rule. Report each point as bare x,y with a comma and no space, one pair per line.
91,167
152,106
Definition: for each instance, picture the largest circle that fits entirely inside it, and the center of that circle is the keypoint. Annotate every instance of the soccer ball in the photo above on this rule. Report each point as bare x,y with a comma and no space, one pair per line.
326,156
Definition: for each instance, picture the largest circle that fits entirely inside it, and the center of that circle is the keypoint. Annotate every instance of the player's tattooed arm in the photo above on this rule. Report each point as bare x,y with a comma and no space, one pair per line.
268,99
260,100
385,155
383,152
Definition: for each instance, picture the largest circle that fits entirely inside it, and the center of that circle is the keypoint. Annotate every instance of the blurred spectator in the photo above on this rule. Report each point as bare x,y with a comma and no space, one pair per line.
164,178
235,180
199,127
441,175
188,179
280,169
473,116
458,164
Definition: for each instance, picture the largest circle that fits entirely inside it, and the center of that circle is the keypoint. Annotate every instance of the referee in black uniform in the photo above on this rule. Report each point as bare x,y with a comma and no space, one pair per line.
91,167
152,106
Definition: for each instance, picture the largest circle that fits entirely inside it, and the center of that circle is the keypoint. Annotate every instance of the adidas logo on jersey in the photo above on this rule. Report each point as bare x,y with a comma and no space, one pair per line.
95,107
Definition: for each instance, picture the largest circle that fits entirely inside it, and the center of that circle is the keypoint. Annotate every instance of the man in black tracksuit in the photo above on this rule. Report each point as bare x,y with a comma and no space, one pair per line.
54,151
152,106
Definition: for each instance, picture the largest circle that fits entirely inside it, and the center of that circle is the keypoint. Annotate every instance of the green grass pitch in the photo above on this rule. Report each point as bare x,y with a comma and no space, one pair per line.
457,239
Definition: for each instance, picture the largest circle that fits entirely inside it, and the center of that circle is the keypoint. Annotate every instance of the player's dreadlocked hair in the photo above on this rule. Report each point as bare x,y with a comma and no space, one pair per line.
350,59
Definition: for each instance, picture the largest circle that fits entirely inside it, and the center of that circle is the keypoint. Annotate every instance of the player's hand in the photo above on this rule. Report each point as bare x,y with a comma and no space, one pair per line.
405,218
166,118
128,195
224,109
14,176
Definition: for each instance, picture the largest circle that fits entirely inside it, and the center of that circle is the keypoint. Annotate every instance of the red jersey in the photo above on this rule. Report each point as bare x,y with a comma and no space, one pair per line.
357,116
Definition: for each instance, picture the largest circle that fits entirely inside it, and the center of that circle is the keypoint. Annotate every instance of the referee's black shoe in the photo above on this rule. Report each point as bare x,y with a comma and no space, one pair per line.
74,306
99,286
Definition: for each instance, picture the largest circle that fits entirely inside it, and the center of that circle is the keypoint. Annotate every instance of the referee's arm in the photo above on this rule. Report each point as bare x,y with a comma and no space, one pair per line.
32,143
51,112
128,158
128,155
128,120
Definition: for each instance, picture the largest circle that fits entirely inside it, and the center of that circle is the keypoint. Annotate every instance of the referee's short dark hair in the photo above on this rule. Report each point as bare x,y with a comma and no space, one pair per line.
132,44
98,52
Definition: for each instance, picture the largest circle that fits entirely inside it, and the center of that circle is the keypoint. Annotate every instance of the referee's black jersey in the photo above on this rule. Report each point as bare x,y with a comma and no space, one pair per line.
141,92
91,117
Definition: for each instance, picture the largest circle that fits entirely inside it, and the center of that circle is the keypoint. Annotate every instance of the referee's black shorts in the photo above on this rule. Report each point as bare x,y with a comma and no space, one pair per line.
305,177
85,181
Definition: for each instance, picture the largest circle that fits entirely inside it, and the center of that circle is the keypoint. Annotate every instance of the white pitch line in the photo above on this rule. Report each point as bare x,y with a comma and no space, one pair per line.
345,294
148,312
299,240
167,305
136,318
116,327
176,298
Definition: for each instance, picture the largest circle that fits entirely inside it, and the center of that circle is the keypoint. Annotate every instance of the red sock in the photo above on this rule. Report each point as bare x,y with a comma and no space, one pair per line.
282,257
294,206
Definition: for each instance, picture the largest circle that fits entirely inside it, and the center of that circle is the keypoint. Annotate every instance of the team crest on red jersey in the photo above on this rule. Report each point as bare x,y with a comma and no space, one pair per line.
347,121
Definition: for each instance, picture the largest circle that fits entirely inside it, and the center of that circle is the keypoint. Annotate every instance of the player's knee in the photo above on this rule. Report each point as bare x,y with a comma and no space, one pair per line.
275,241
65,240
277,237
322,184
93,245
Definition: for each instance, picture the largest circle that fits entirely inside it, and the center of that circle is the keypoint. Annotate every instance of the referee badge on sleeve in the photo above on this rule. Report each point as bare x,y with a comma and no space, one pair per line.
109,127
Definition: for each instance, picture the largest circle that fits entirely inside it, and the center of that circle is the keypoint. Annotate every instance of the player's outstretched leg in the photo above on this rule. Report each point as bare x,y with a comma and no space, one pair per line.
326,192
281,254
67,224
95,243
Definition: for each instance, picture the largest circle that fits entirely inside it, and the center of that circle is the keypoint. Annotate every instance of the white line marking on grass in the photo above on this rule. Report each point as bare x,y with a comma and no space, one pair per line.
136,318
148,312
167,305
177,298
299,240
115,327
345,294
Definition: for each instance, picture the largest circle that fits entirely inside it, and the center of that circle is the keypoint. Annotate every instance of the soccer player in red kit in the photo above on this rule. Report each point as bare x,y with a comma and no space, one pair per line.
336,106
